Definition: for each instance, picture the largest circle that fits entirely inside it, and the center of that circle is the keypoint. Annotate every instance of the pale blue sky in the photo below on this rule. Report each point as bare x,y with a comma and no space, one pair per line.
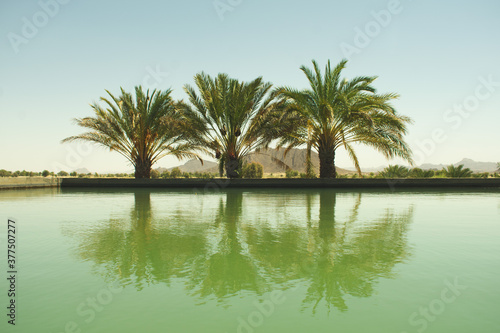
432,53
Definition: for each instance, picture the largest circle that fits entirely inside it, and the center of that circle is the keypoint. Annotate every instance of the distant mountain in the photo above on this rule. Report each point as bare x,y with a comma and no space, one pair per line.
194,166
468,163
369,169
82,170
295,159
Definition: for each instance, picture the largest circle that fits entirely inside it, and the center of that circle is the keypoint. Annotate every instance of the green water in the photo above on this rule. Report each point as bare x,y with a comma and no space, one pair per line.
254,261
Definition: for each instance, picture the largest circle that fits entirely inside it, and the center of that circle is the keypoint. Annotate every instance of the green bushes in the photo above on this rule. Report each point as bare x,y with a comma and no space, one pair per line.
24,173
354,176
395,171
253,170
481,175
119,175
203,175
452,171
419,173
175,173
307,176
155,174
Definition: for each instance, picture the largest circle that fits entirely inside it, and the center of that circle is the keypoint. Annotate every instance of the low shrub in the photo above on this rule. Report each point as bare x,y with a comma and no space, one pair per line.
291,173
395,171
253,170
175,173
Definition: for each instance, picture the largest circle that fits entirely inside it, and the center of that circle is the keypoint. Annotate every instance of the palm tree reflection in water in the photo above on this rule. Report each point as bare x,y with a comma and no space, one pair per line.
232,251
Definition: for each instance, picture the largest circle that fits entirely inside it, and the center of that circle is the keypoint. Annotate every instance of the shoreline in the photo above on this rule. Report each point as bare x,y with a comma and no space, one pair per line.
264,183
222,183
28,182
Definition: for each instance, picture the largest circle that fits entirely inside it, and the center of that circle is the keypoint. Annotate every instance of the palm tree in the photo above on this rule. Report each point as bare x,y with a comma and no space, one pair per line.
143,129
457,171
336,113
395,171
419,173
230,118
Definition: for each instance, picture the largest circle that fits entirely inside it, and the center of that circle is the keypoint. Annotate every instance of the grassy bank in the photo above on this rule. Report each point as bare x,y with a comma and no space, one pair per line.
28,182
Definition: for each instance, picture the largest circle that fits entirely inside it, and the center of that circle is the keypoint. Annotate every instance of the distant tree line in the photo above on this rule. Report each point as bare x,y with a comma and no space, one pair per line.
46,173
399,171
256,170
451,171
250,170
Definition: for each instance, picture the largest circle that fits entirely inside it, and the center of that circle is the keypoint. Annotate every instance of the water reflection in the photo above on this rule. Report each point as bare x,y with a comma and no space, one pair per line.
227,268
233,250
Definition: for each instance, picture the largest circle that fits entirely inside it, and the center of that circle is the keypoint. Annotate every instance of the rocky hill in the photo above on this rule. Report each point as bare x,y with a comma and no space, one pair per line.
295,159
468,163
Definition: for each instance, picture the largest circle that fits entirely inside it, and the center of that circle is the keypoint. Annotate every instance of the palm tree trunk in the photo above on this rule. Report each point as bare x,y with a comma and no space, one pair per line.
327,162
232,168
327,201
221,167
309,165
142,169
142,210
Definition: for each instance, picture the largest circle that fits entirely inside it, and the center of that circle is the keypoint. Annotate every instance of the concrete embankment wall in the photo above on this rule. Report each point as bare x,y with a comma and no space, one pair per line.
282,183
35,182
28,182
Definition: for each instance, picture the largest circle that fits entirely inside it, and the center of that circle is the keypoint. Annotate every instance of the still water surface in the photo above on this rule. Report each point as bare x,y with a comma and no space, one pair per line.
255,261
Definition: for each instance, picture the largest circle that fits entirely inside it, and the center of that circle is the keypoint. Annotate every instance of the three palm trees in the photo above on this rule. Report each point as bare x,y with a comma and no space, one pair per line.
228,119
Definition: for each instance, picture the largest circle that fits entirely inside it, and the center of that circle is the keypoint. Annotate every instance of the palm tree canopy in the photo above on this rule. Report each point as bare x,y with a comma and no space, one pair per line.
457,171
229,117
142,129
336,112
395,171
